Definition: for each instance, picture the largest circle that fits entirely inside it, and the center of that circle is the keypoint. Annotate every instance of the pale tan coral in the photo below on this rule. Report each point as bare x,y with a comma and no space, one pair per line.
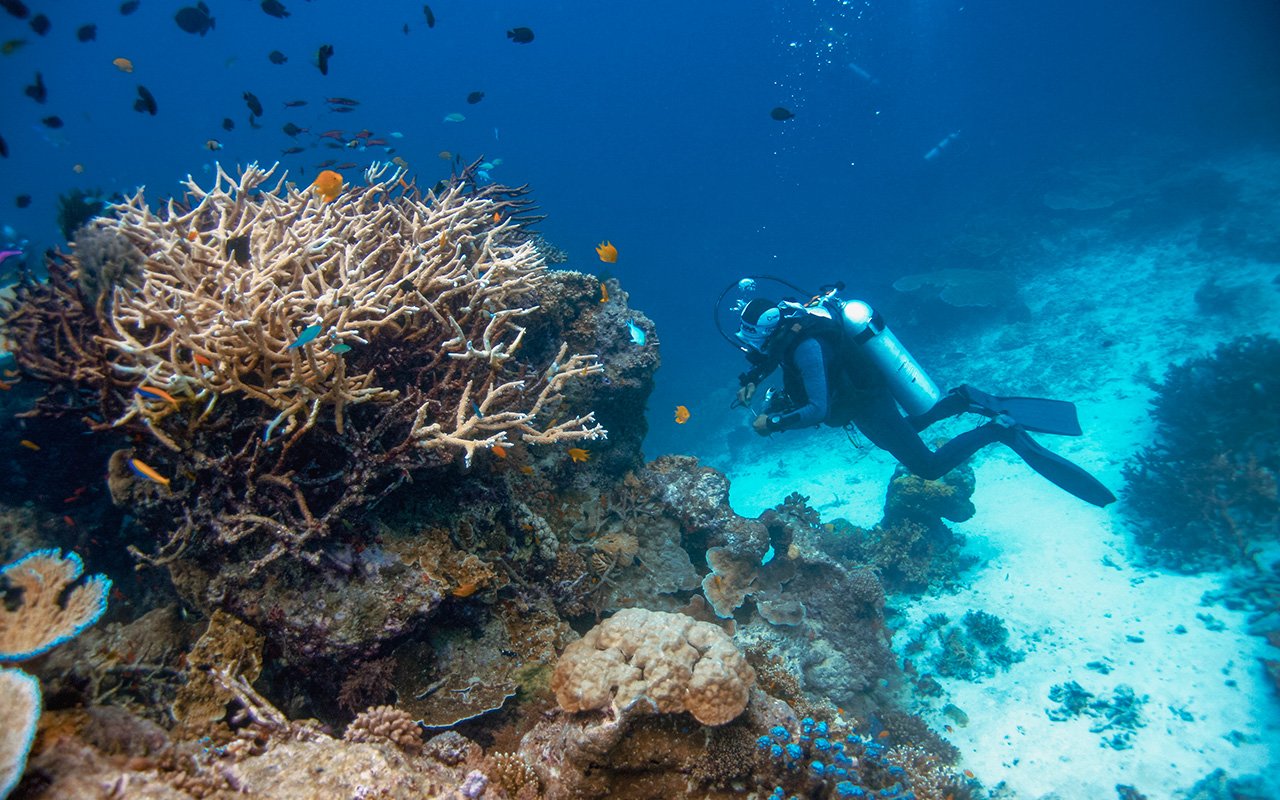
513,775
229,648
361,269
653,660
730,580
385,724
43,618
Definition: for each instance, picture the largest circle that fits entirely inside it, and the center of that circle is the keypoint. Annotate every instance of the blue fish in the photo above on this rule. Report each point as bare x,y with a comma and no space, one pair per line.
340,348
308,333
637,333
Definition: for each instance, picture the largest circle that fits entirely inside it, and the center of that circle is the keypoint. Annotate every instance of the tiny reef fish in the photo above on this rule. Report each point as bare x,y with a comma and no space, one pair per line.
637,333
123,64
153,393
607,252
328,184
520,35
308,333
578,455
30,445
147,471
682,415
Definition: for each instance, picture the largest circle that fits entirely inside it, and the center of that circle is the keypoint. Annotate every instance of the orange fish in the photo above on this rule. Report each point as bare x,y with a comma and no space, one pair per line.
499,451
497,217
604,293
152,393
203,361
192,235
526,470
5,386
607,252
328,184
30,445
147,471
968,773
123,64
465,590
682,415
578,454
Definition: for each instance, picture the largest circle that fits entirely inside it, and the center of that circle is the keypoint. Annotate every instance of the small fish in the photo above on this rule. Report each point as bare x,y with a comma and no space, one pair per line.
294,103
145,102
52,122
328,184
40,24
781,114
364,134
341,101
255,106
475,97
228,124
129,7
333,134
340,348
203,361
637,333
607,252
274,8
276,57
292,130
87,33
213,144
341,109
37,91
30,445
431,18
192,235
497,217
145,470
78,169
291,151
604,293
4,147
194,19
454,117
682,415
123,64
396,135
308,333
346,165
578,455
445,155
499,451
476,408
525,469
16,7
237,247
322,58
153,393
22,200
520,35
405,29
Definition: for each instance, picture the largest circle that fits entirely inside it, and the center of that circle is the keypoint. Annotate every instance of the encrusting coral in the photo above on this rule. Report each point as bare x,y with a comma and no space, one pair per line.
264,317
654,660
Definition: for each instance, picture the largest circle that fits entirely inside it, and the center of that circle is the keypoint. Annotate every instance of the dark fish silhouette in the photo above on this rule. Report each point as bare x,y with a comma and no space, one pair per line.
4,147
406,29
291,151
52,122
255,107
194,19
145,102
292,130
520,35
275,8
40,24
238,248
341,101
276,57
322,58
431,18
294,103
23,200
87,33
475,97
16,7
131,6
37,91
341,109
228,124
781,114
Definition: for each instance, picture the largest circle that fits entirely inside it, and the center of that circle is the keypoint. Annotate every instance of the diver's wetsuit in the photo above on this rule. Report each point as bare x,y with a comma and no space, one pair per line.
868,403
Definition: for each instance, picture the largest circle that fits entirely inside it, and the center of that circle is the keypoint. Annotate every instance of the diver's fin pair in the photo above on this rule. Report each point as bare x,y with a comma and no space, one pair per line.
1062,473
1033,413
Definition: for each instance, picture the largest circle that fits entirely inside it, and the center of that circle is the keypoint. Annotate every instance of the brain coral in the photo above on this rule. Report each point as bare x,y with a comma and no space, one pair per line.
674,662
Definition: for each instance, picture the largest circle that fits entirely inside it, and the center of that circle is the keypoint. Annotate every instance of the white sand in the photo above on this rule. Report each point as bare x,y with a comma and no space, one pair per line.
1061,573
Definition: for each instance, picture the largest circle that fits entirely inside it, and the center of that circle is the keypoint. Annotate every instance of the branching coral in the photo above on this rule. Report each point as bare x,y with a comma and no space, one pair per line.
381,328
385,724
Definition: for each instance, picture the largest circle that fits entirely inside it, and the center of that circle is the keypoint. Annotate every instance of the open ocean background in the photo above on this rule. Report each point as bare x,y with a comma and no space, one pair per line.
648,124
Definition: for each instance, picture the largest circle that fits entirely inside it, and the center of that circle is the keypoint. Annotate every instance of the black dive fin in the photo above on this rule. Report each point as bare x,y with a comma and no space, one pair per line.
1058,470
1033,413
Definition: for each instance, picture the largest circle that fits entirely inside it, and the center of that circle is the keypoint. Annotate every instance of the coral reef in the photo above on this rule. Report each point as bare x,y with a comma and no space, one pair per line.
1118,717
655,661
974,648
1206,490
385,724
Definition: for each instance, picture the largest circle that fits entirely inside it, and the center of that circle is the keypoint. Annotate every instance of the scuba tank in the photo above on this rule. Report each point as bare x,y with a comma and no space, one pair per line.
865,328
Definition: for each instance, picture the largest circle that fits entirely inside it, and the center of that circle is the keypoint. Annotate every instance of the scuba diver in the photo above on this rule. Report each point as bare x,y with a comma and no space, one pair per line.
841,366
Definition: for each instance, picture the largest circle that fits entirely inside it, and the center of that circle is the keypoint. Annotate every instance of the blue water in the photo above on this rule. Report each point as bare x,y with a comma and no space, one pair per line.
648,124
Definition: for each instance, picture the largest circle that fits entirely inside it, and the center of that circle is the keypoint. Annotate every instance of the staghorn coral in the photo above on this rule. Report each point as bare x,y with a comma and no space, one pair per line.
654,660
418,355
385,724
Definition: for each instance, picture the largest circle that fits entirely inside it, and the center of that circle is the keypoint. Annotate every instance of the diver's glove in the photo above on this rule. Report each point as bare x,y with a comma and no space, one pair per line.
745,394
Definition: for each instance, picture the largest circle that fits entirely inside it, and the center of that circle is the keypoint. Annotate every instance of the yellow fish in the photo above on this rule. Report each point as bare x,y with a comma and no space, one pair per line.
578,454
30,445
604,293
147,471
526,470
607,252
328,184
682,415
123,64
